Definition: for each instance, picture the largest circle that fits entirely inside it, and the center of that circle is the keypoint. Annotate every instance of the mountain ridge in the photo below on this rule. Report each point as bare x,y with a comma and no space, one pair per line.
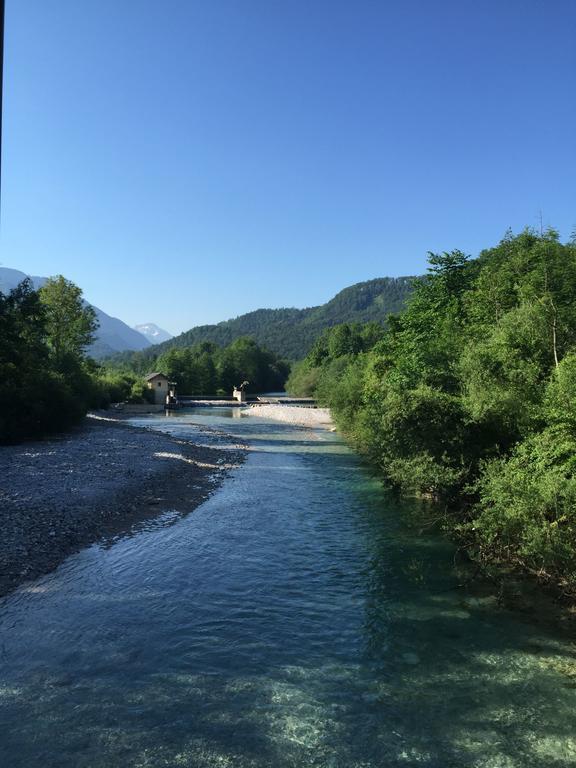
290,332
287,331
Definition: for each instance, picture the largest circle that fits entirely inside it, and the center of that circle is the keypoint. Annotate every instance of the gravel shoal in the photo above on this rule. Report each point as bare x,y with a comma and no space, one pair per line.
293,414
101,480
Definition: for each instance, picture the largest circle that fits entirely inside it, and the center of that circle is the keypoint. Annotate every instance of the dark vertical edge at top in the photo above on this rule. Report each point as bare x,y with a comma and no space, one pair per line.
2,5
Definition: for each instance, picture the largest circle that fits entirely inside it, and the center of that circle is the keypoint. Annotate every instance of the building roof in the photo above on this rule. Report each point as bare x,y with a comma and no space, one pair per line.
150,376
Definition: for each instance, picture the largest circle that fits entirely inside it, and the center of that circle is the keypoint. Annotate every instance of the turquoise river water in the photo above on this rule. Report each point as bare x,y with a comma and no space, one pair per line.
294,619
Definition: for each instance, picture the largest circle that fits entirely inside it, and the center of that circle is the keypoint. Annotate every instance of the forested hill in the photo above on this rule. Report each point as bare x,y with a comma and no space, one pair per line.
291,332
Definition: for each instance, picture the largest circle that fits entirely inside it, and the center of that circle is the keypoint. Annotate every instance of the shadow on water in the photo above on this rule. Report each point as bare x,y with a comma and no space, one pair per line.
293,620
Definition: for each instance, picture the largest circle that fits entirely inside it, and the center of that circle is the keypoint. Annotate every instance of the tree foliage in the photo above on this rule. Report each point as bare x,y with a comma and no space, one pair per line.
70,323
290,333
207,369
45,384
470,396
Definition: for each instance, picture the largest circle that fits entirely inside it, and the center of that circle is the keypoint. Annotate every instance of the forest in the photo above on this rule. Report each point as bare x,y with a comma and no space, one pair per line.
469,397
289,333
208,369
49,382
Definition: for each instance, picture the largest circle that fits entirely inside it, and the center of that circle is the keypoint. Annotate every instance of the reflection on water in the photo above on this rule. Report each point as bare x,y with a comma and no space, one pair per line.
290,621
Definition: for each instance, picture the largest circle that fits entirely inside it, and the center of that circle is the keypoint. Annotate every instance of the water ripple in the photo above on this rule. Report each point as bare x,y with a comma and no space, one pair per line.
290,620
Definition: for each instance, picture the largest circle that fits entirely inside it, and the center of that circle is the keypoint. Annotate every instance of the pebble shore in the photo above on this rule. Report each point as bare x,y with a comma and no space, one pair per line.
63,493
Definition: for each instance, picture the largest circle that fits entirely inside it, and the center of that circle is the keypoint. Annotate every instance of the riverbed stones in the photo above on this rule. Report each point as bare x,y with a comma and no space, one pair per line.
60,494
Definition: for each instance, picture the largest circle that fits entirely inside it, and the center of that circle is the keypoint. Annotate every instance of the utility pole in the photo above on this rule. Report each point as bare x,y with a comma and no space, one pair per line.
2,5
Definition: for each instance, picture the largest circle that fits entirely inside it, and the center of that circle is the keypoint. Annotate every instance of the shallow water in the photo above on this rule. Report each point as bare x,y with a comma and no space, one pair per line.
291,620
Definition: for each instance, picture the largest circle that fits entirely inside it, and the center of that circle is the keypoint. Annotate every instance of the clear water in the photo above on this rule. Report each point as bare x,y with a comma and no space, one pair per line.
291,620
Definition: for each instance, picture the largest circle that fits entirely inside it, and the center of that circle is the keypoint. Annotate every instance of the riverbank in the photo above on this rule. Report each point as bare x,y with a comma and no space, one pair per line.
293,620
99,480
292,414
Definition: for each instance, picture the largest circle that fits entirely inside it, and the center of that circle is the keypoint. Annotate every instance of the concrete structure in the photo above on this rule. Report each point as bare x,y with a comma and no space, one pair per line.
160,385
239,394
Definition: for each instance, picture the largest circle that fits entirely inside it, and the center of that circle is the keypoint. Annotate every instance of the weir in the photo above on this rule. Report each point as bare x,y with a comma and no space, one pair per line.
192,401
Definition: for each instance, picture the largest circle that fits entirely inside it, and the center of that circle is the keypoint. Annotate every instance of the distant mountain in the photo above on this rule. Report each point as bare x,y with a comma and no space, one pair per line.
153,333
9,279
291,332
112,336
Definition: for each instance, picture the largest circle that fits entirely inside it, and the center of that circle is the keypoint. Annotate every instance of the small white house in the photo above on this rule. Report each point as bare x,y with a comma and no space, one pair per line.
160,385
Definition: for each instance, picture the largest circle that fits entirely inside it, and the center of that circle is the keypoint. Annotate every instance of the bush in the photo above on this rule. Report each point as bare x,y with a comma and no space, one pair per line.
527,508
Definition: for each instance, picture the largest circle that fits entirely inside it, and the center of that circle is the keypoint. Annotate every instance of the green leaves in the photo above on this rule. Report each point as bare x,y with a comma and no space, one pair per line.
206,368
470,396
527,506
44,383
502,374
560,396
70,324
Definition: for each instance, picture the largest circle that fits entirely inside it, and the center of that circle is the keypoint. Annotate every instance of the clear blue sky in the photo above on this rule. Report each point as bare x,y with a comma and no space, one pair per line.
185,161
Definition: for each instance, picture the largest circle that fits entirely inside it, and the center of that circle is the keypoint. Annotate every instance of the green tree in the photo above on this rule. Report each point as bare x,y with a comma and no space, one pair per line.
35,399
471,396
70,323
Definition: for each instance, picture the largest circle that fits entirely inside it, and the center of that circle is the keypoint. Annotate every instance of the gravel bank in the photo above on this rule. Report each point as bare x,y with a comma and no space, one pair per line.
292,414
60,494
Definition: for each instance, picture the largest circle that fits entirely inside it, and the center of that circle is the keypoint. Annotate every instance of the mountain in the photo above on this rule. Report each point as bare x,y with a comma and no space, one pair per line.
153,333
9,278
112,336
291,332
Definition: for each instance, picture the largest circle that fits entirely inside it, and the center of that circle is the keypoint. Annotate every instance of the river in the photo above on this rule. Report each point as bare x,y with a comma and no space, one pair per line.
297,618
